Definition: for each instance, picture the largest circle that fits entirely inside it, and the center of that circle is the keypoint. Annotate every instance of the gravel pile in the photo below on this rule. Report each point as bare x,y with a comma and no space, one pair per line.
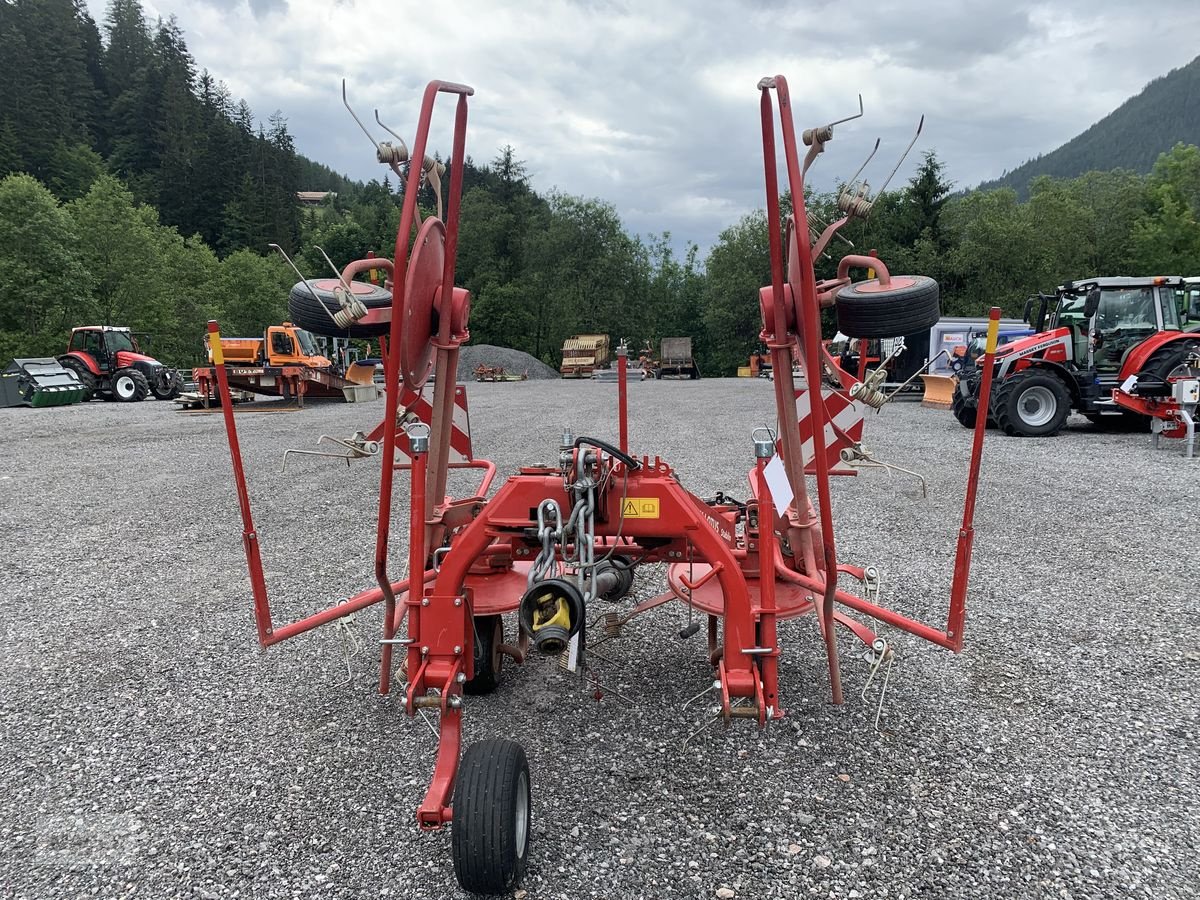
150,748
512,361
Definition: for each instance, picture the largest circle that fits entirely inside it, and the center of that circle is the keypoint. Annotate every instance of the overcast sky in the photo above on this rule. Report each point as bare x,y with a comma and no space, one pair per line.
652,105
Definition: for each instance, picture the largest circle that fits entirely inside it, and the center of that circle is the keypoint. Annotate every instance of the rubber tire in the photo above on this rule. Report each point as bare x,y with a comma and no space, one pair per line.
141,387
963,411
83,373
1165,360
1006,403
886,314
483,841
172,391
307,312
489,635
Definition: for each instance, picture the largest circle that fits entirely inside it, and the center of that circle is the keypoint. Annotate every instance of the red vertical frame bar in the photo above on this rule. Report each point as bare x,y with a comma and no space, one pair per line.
258,584
966,534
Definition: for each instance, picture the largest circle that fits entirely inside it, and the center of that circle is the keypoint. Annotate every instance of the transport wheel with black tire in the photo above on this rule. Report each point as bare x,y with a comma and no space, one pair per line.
83,373
315,313
489,635
129,386
910,305
1032,403
490,830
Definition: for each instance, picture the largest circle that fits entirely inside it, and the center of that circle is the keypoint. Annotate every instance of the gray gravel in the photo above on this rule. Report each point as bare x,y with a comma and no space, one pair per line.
149,748
512,361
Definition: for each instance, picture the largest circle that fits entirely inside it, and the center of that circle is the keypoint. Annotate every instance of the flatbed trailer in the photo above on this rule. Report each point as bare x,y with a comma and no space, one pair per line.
288,382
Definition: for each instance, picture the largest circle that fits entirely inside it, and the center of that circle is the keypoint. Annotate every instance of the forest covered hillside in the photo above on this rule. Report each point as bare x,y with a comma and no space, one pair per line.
1165,113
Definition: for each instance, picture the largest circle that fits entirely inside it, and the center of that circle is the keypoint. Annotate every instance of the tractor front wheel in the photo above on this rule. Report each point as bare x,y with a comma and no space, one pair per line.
489,635
129,386
167,386
490,830
964,407
1032,403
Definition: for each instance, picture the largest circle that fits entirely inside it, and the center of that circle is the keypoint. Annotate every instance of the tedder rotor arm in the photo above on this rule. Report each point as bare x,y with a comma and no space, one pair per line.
447,349
808,339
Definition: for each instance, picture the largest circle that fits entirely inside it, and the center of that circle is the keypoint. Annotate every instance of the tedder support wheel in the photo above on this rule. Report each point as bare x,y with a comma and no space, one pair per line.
490,828
489,635
910,305
1032,403
315,314
129,386
83,373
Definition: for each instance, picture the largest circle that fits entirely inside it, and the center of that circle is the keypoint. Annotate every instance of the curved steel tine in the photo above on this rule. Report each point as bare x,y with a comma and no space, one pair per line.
403,147
920,125
857,115
336,273
870,157
346,103
312,292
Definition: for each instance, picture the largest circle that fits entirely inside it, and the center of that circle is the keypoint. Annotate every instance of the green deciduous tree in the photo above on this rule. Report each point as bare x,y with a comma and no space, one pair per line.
42,282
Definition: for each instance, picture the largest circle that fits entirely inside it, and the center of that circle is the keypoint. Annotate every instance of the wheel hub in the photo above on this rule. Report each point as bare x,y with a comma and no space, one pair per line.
1037,406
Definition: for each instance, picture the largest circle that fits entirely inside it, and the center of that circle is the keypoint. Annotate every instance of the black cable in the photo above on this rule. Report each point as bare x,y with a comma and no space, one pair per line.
629,461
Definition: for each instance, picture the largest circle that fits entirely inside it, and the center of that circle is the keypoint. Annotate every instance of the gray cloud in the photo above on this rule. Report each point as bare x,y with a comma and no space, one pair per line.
652,105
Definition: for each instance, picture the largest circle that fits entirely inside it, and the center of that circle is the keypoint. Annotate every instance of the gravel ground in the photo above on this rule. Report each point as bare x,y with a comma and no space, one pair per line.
512,361
149,747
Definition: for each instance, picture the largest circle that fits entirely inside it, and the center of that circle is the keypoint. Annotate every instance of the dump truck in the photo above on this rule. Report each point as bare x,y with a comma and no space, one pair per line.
284,362
583,354
675,359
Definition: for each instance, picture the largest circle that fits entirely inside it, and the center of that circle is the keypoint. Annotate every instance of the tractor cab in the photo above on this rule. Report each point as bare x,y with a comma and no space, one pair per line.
103,344
1101,320
1187,302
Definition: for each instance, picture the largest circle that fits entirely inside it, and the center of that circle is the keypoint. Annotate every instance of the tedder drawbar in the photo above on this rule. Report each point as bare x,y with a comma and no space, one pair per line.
552,541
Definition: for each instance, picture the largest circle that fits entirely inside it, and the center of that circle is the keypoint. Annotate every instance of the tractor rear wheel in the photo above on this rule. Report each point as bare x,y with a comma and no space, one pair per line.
897,311
1164,361
83,373
1032,403
490,831
489,635
129,386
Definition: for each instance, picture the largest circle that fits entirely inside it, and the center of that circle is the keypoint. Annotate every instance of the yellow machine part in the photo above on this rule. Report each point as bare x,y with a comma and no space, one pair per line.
557,613
939,390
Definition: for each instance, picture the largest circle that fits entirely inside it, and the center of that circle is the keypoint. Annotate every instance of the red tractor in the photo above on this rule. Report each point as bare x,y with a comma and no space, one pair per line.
1101,332
106,359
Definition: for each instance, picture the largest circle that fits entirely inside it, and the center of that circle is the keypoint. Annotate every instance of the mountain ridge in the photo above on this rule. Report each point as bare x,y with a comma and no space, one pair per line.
1164,113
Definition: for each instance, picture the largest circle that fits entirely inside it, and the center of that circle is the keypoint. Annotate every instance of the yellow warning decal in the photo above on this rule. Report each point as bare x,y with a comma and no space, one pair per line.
640,508
214,343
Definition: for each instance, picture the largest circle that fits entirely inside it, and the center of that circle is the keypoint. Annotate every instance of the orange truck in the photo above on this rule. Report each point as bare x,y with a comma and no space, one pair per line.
284,362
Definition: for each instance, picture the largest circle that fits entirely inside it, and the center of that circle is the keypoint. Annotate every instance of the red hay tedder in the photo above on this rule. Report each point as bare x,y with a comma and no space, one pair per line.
552,541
